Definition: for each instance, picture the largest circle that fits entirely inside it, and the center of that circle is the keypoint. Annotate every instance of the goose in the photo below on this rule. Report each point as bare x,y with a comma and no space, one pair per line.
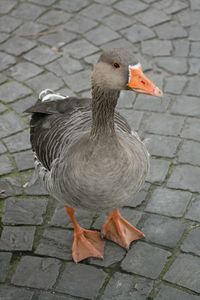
86,155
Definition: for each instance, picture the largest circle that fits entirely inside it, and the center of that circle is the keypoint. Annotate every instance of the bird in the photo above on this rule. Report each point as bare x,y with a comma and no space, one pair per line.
86,154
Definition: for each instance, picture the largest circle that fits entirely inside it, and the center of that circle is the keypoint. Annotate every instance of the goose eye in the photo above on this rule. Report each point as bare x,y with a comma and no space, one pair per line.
116,65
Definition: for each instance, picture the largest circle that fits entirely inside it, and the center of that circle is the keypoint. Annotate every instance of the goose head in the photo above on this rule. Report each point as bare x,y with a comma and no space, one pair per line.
118,69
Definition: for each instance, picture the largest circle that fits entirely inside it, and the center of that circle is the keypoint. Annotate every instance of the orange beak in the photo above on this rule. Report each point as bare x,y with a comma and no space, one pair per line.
139,83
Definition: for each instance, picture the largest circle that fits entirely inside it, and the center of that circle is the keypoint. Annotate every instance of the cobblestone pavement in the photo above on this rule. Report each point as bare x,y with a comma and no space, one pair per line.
53,44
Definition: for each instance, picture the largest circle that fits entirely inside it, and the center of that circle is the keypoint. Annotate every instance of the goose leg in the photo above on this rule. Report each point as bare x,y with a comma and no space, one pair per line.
87,243
119,230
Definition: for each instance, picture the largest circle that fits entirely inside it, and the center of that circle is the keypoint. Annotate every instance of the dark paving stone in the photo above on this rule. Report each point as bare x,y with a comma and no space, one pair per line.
123,286
134,118
96,11
31,29
80,24
18,45
194,211
53,296
71,6
101,35
185,272
189,153
83,79
13,293
163,124
191,129
145,260
6,6
28,212
54,17
157,47
138,33
192,243
11,91
181,47
175,65
194,34
130,8
9,24
22,104
56,243
24,160
58,39
170,30
24,70
195,49
80,49
175,84
160,145
11,185
5,165
65,65
185,177
10,123
6,60
152,17
158,170
18,142
18,238
193,87
169,202
186,105
28,11
5,258
169,293
41,55
117,22
162,230
37,272
90,284
45,81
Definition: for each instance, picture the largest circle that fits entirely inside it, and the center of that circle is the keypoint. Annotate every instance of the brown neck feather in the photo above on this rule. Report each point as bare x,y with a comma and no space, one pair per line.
103,108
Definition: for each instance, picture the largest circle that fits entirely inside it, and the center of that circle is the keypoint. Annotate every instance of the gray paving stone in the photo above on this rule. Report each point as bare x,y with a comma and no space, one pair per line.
119,43
2,148
37,272
181,47
54,17
80,49
163,124
185,177
71,6
17,45
169,293
186,105
53,296
96,11
194,66
170,30
64,65
134,118
80,24
192,243
35,188
107,2
6,61
158,170
58,39
193,87
24,160
18,238
6,6
3,78
157,47
194,34
2,108
28,11
24,70
12,293
188,17
160,145
117,21
5,258
163,230
138,199
195,49
168,202
174,65
145,260
193,212
18,142
41,55
5,165
56,243
10,123
152,17
195,5
22,104
90,284
191,129
9,24
11,185
130,8
24,211
124,286
185,272
189,153
126,100
3,37
175,6
31,29
138,33
44,2
83,79
143,102
44,81
11,91
175,84
101,35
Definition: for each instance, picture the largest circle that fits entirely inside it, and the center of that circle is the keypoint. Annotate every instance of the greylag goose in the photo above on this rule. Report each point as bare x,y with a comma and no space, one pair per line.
86,154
